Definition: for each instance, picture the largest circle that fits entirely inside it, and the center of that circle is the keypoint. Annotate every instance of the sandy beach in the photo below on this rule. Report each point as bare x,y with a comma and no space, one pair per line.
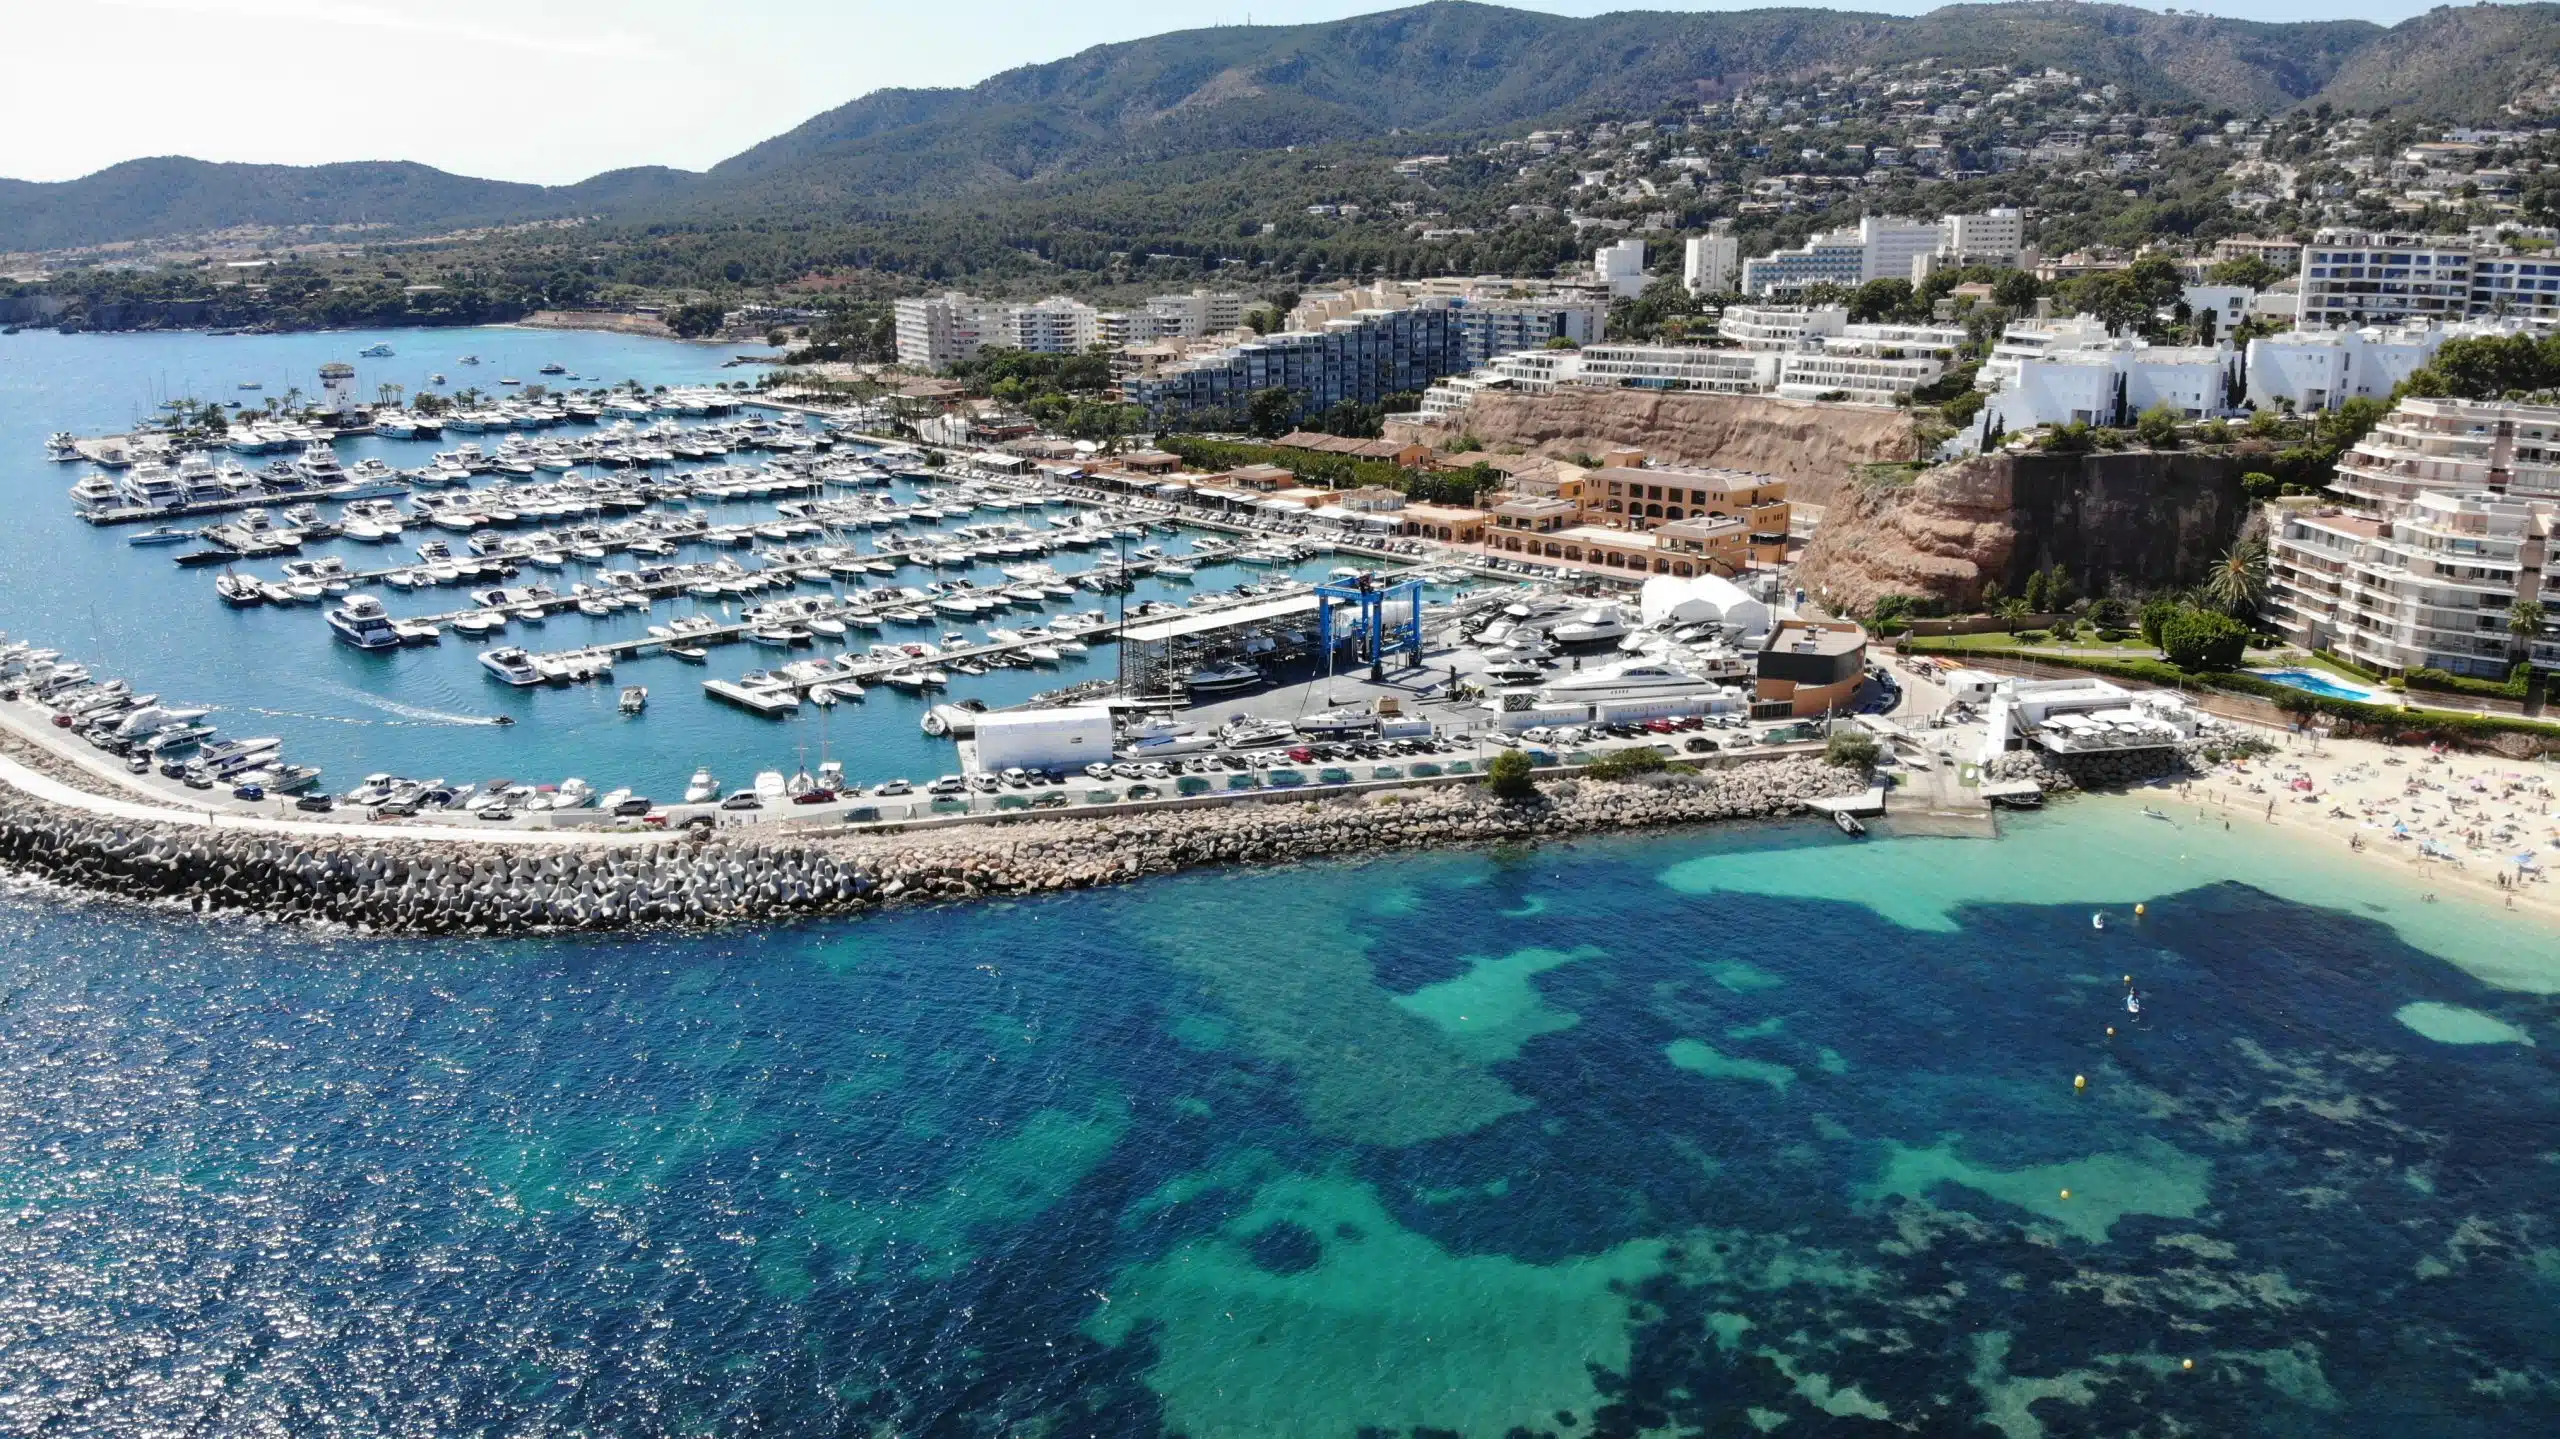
2482,824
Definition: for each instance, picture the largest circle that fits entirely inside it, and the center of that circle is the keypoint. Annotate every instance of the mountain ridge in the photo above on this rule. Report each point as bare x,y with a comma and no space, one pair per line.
1452,68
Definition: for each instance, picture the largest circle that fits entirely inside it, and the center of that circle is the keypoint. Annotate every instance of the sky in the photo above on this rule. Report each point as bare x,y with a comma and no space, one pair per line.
552,91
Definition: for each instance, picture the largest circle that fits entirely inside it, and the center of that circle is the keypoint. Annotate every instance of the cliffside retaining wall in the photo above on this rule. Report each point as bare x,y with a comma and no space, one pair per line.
1810,446
2135,520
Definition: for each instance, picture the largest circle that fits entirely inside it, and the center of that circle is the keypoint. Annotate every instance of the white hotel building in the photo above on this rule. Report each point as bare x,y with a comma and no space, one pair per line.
2457,503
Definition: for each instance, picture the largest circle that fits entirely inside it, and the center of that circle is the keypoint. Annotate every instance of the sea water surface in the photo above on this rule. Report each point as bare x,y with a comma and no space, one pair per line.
425,712
1746,1130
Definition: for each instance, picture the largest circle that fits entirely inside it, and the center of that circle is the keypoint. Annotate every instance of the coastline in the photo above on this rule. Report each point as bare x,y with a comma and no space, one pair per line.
449,881
605,322
2360,789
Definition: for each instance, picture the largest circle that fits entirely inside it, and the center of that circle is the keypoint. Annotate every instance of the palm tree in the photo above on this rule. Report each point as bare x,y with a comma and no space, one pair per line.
2014,610
2238,582
2524,626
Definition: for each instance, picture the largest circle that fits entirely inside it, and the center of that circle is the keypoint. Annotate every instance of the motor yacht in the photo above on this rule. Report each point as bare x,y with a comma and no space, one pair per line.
1600,624
1247,733
702,788
1627,680
1221,678
512,666
360,620
1350,719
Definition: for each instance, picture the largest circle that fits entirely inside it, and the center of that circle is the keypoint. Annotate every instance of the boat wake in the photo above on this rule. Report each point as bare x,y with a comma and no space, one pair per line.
405,714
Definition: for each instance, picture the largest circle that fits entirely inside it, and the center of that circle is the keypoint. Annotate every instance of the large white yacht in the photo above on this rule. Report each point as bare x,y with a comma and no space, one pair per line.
361,621
1627,680
1598,624
152,486
319,465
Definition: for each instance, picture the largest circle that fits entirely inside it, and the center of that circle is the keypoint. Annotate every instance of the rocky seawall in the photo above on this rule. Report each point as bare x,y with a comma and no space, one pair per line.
382,884
2061,774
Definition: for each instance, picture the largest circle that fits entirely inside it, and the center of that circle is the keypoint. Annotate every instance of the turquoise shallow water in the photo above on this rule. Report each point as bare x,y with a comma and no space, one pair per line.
1756,1130
418,711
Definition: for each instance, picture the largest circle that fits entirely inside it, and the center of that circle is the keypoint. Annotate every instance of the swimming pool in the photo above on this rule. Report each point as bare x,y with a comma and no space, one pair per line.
2318,684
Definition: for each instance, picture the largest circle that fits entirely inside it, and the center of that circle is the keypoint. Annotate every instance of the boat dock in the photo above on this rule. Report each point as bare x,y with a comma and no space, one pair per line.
352,490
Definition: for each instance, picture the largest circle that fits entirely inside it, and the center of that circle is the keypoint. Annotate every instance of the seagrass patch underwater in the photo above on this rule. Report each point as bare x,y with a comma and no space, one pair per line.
1735,1131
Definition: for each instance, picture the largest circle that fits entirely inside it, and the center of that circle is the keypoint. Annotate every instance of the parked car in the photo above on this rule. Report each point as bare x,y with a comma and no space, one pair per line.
743,799
948,784
632,808
893,787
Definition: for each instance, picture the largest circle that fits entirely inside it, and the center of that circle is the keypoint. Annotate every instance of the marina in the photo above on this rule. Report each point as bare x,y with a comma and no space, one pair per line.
896,601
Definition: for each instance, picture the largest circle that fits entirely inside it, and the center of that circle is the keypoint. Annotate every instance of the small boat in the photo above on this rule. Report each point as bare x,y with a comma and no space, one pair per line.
161,535
635,698
1849,823
702,788
2149,813
2097,921
690,654
2132,1002
374,352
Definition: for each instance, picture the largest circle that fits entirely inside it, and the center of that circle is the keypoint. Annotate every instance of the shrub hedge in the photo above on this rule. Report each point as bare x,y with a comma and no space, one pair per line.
2512,687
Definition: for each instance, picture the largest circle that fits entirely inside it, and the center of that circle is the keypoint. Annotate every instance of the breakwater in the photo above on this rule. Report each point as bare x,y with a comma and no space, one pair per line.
387,885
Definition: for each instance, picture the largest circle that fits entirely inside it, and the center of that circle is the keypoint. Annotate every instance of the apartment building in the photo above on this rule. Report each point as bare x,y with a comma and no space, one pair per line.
2311,370
1620,268
1362,357
1713,262
1679,368
1197,314
1055,326
2522,287
1867,364
1687,368
1878,247
2455,505
2283,254
2462,445
1885,247
2430,584
1779,327
2066,372
1122,328
2359,278
1993,237
939,331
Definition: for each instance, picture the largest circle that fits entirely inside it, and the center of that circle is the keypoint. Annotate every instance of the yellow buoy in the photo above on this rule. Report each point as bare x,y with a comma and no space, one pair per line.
2137,909
2128,979
2066,1194
2079,1081
2111,1031
2186,1364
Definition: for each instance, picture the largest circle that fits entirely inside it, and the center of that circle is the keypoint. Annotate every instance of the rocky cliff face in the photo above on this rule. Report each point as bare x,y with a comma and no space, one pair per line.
1812,447
2131,522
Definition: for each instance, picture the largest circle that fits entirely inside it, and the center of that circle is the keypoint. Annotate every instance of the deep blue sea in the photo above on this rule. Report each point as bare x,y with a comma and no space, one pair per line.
1751,1130
1758,1130
423,711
